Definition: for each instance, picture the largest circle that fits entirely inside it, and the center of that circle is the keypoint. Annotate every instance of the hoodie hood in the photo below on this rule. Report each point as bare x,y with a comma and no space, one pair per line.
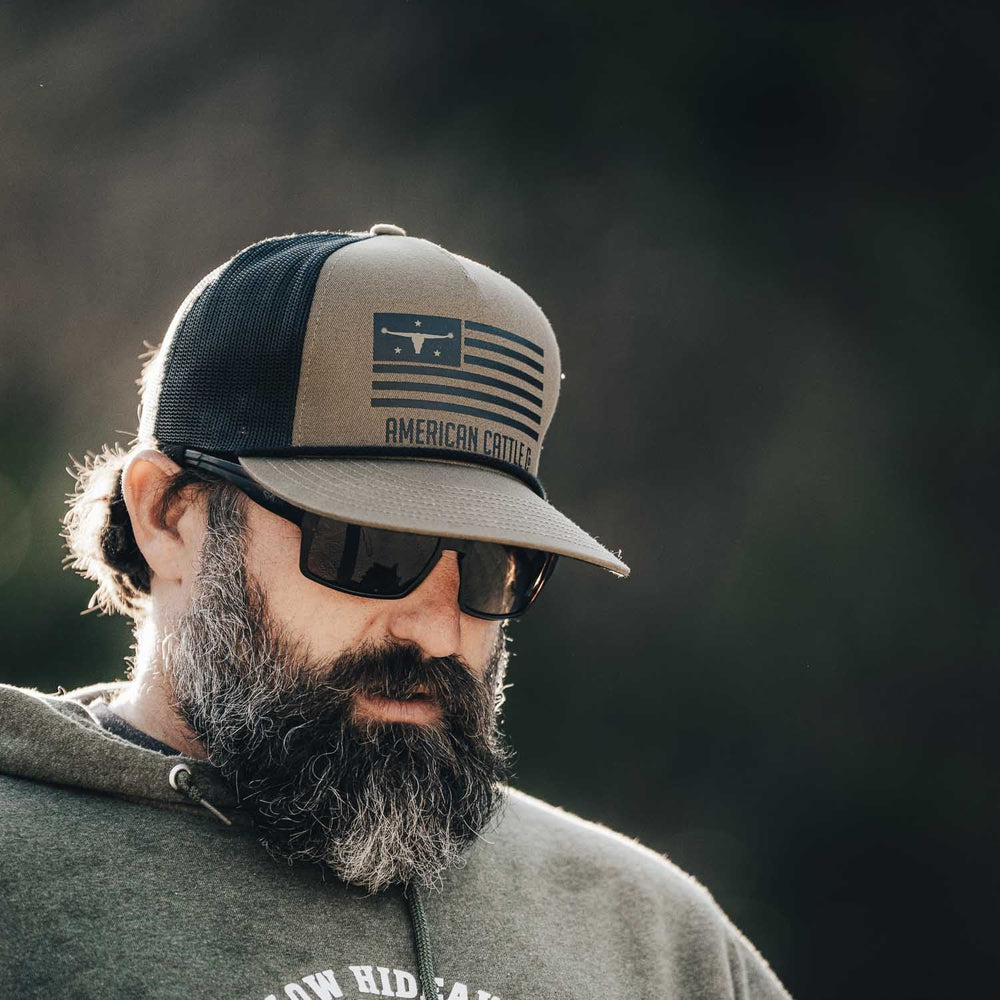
56,739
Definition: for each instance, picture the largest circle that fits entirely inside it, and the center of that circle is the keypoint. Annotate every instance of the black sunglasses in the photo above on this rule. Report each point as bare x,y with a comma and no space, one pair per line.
496,581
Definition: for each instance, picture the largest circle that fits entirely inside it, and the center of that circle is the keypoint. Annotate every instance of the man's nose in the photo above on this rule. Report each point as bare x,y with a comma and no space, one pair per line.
429,616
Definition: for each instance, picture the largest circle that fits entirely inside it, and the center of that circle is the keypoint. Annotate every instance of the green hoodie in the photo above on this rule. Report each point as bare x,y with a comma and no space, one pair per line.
115,884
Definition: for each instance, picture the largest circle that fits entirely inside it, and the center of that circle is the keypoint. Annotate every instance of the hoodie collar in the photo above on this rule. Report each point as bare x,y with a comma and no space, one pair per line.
56,739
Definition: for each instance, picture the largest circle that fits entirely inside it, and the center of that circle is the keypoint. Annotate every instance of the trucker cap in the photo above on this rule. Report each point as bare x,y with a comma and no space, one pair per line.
375,378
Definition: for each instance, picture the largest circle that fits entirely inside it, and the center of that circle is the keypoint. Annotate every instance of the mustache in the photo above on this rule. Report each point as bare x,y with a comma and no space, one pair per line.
400,670
397,670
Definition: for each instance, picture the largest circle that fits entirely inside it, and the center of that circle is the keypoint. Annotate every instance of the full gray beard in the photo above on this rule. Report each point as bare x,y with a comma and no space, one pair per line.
379,803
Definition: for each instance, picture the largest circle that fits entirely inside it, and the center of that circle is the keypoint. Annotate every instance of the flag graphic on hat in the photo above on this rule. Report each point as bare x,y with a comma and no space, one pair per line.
425,354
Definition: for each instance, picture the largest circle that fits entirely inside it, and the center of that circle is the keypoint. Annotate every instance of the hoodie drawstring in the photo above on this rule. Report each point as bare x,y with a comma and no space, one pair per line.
421,941
180,779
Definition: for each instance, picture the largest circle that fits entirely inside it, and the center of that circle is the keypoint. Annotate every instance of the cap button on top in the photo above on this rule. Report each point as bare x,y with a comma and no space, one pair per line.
386,229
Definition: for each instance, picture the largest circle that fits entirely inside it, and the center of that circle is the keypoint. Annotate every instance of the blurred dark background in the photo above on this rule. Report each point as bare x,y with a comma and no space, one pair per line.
766,239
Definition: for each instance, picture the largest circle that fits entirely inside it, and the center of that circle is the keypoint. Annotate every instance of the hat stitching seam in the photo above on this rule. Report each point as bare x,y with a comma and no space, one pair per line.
309,478
319,317
453,258
471,495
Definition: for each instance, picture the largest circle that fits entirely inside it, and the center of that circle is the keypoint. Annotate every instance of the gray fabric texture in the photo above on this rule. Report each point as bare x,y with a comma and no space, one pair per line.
115,885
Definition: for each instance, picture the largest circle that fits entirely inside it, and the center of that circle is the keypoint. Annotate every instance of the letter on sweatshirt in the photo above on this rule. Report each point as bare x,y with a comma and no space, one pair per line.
365,977
406,985
383,978
324,984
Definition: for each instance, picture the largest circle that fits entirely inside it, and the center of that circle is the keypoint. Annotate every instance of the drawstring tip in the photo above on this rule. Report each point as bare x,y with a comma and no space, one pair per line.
215,812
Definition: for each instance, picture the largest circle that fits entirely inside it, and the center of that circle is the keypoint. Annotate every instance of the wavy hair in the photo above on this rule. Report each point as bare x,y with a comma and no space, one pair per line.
97,529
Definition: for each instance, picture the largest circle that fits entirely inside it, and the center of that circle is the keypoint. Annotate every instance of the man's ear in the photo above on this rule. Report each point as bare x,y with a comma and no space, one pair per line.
169,540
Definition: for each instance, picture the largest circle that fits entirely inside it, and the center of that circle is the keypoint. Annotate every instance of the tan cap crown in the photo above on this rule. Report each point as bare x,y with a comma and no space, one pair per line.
409,346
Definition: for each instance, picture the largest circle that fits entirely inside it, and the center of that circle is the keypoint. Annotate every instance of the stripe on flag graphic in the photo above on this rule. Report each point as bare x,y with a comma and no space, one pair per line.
421,363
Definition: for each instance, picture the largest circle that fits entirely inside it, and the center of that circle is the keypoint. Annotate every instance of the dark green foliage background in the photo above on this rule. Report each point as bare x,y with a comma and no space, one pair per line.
765,238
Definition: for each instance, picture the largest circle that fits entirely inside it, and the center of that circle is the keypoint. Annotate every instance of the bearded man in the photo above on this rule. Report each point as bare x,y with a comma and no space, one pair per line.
329,514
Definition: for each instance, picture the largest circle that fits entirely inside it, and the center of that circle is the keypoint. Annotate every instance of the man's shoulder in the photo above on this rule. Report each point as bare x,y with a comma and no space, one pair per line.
37,814
578,871
552,838
38,824
23,798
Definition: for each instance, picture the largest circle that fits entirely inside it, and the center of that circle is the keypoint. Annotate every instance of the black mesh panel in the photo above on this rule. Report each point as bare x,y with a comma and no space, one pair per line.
232,373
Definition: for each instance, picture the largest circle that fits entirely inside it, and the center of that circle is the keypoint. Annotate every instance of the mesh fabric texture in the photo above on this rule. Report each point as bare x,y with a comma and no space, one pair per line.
231,376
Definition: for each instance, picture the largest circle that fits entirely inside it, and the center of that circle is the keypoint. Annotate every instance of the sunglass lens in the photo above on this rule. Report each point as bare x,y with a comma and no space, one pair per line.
366,561
499,579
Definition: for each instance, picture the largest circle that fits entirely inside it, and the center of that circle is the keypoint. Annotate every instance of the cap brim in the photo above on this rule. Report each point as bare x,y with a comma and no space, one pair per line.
430,497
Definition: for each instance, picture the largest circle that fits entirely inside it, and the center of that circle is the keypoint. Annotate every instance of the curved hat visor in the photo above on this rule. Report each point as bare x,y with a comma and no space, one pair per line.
429,497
